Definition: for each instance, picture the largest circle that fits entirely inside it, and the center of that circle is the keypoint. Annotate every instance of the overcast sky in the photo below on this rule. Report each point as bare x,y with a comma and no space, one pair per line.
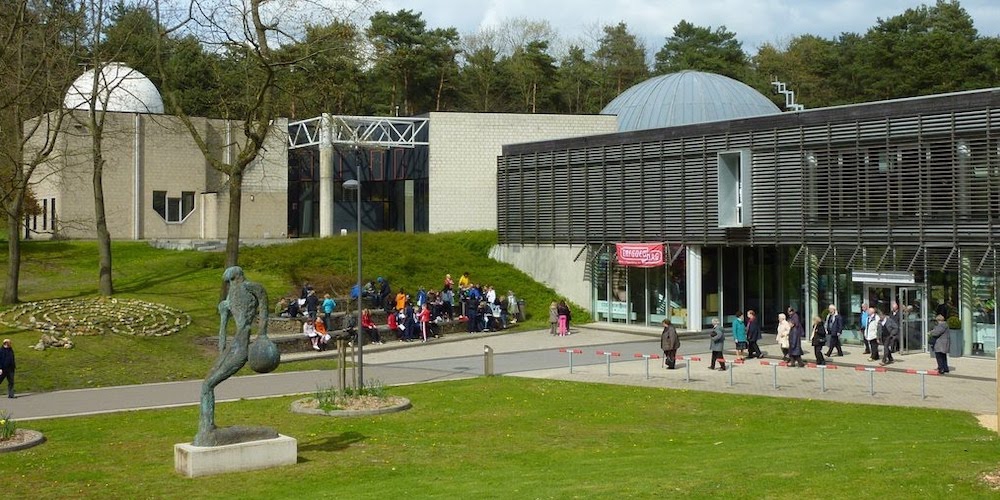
754,21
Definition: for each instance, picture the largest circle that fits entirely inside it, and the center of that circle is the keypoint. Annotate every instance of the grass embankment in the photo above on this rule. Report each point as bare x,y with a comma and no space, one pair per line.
517,438
191,281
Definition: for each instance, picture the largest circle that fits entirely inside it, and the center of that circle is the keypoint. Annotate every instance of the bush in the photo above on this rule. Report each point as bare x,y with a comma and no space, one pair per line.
7,426
954,323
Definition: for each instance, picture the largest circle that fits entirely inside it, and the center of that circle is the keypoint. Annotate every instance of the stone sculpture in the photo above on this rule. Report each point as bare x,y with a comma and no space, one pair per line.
245,302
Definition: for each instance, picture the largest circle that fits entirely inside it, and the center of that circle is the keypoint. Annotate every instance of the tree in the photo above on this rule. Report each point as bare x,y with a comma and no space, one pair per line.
327,77
702,49
36,60
924,50
807,65
621,61
481,80
576,83
244,32
531,73
415,61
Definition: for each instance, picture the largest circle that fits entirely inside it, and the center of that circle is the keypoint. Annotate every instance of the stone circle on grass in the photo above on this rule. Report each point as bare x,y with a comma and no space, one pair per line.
96,316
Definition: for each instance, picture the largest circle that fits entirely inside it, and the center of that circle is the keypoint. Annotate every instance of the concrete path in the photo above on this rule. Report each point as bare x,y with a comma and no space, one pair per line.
971,386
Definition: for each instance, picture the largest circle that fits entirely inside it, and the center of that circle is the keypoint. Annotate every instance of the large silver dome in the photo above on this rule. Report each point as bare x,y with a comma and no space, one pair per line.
684,98
120,89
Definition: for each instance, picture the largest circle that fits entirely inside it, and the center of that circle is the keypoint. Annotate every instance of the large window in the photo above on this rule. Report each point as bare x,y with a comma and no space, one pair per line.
173,209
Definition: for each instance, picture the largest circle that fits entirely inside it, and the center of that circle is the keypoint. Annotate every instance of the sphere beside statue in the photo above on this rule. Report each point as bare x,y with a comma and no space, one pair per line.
264,356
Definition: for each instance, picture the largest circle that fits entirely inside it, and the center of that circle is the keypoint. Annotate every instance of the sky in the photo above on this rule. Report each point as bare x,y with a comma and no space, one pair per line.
755,22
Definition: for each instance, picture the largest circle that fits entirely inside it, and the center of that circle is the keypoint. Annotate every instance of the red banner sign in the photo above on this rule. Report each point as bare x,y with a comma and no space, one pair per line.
640,254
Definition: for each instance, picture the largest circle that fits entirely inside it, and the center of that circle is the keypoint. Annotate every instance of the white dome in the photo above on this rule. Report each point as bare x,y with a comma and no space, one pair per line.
120,89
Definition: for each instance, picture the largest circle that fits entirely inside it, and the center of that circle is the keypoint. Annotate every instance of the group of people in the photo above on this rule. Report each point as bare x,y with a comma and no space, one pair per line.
823,333
409,317
559,318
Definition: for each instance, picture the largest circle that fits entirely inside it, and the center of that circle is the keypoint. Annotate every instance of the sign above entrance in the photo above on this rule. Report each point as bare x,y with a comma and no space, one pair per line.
894,277
640,254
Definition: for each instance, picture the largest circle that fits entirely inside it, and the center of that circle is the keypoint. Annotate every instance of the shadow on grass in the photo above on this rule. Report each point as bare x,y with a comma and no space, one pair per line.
333,443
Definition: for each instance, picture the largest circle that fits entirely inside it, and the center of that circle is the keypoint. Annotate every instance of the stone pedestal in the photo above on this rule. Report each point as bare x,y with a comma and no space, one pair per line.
194,461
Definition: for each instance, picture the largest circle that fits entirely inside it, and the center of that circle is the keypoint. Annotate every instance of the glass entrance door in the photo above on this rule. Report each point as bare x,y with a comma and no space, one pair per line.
912,320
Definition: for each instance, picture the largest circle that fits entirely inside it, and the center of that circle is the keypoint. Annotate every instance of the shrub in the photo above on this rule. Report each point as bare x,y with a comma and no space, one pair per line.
7,426
954,323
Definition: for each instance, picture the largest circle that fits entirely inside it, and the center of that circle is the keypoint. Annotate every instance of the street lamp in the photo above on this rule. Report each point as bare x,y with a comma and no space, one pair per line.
355,185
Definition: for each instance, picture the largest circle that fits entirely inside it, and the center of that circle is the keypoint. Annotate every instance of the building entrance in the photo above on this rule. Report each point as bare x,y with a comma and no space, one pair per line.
912,315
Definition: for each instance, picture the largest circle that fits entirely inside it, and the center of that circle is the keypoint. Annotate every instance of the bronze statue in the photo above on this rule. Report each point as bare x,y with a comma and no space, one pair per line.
245,302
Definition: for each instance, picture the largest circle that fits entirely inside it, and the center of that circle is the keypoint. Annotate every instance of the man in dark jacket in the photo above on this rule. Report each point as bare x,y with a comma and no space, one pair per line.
889,330
834,327
669,342
7,366
753,335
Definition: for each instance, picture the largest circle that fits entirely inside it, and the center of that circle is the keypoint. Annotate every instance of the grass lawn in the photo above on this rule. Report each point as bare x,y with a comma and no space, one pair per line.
190,281
506,437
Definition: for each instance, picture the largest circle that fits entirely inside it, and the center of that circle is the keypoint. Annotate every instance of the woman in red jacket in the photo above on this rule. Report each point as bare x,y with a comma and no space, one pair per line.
425,320
368,326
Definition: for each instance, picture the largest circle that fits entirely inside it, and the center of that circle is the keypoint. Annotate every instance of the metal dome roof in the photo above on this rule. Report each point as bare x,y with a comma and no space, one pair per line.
684,98
120,88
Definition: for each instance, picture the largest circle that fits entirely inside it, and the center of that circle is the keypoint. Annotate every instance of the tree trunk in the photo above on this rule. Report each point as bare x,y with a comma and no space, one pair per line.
105,284
13,255
233,230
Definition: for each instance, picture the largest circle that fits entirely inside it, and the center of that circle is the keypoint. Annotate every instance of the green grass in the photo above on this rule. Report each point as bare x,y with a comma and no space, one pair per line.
518,438
191,281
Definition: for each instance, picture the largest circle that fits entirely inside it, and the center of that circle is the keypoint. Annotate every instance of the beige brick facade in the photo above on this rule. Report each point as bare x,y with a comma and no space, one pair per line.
148,153
463,159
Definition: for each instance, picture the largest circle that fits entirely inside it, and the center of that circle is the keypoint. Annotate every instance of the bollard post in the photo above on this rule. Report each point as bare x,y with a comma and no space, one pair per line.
571,352
646,357
729,368
774,371
923,381
871,381
487,361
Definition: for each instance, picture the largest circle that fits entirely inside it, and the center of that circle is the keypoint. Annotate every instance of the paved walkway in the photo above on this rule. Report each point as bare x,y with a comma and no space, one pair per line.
970,387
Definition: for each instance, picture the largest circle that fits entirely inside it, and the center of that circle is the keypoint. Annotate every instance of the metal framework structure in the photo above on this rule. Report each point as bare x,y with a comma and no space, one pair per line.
363,131
891,185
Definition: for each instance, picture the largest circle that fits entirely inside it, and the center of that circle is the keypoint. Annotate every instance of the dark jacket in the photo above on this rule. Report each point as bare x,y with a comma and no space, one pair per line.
889,330
834,324
7,359
818,335
753,330
669,341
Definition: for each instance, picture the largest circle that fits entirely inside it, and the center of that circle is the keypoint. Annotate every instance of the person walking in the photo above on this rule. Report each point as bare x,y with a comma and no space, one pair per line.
740,336
784,328
940,344
818,339
717,343
871,333
753,335
834,326
669,342
563,311
864,327
7,366
889,331
795,334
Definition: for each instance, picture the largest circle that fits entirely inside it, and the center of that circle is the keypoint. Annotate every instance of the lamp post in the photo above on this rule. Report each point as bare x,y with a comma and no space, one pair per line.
355,185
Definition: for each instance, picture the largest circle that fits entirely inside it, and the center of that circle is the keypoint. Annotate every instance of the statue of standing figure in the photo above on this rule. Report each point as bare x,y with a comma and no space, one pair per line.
245,302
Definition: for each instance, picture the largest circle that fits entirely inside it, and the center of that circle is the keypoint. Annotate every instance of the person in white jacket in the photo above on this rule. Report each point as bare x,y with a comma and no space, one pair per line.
784,329
871,333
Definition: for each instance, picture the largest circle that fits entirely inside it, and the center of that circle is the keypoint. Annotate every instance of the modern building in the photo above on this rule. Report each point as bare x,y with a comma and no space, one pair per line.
157,182
431,173
894,201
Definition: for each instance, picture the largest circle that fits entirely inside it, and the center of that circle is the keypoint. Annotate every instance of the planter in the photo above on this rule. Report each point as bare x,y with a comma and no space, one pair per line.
392,405
22,440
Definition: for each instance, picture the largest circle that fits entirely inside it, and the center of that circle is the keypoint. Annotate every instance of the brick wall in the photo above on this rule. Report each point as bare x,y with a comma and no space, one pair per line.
463,159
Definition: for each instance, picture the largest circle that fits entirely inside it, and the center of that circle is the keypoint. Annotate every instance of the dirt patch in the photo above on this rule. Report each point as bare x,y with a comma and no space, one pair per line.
988,421
992,479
